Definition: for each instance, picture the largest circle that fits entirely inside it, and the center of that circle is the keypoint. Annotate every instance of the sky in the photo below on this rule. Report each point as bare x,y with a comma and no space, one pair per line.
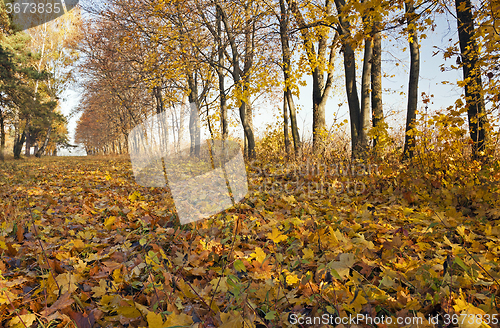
395,60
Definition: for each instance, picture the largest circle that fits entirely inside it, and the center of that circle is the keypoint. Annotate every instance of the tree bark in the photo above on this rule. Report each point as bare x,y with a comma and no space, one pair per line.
45,143
376,79
194,117
27,150
247,65
160,108
19,141
321,87
2,136
409,146
238,74
220,74
350,80
293,122
284,20
285,125
159,100
474,96
365,96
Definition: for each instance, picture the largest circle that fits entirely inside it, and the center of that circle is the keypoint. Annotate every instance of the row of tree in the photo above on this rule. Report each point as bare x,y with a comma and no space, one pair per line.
141,57
33,74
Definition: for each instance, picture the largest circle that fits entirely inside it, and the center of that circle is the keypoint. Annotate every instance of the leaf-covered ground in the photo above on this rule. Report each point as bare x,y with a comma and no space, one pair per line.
83,245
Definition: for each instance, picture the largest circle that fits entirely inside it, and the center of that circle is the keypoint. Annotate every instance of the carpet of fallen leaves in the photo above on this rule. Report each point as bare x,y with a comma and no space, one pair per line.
82,245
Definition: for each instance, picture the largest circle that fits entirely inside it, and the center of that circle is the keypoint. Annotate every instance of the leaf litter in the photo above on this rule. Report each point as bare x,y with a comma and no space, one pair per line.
84,246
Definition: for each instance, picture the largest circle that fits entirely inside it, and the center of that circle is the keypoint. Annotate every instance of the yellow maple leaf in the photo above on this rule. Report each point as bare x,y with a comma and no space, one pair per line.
259,255
343,264
108,223
75,244
117,276
356,303
469,313
308,253
292,278
230,320
27,320
135,196
220,285
276,236
5,295
154,320
176,320
67,281
128,311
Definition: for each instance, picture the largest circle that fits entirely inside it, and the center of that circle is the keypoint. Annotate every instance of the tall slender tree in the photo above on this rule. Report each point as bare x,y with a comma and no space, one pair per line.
474,96
376,79
411,111
320,48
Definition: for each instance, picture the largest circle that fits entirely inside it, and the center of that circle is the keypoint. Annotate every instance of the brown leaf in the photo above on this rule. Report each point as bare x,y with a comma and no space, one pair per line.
82,320
20,232
56,266
63,302
11,251
409,197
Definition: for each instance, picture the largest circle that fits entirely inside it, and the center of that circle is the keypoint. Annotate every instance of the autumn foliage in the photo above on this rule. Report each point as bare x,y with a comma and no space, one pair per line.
356,220
83,245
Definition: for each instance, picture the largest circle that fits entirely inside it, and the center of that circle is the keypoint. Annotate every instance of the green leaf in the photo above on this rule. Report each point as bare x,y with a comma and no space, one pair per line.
239,266
271,315
461,264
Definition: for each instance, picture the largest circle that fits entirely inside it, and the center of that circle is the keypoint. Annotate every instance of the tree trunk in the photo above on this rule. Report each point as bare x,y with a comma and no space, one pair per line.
321,87
350,80
247,66
27,150
220,74
159,100
249,137
472,74
365,96
376,79
45,143
19,142
163,126
180,127
352,98
194,117
286,53
125,135
238,74
319,122
293,122
2,137
409,146
285,125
